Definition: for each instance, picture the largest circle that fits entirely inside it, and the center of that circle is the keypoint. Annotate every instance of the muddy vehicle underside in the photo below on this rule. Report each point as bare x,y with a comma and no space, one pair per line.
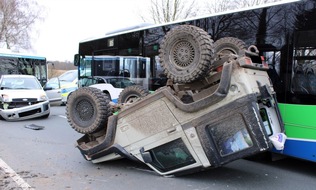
218,106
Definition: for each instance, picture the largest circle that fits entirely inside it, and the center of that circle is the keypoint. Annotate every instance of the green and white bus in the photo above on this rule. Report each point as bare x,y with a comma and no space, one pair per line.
17,63
285,34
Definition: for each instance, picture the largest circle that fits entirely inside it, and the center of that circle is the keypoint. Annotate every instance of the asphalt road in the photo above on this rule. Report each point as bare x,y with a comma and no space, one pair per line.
47,159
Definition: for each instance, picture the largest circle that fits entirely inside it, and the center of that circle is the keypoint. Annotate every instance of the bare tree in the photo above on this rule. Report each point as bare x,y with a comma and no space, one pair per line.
225,5
249,3
162,11
219,6
17,18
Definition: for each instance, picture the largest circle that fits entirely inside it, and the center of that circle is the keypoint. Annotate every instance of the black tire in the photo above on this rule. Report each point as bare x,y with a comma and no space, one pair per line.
88,110
228,45
185,53
132,94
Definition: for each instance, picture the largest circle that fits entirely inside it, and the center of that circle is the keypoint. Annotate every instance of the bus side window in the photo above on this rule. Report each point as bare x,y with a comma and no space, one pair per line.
299,80
311,77
304,75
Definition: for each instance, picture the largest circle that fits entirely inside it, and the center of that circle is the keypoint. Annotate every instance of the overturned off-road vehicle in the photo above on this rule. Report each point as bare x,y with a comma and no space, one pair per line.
218,106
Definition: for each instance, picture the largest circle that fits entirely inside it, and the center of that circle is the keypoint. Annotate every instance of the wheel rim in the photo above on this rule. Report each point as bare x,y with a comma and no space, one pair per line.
183,54
132,98
227,51
85,110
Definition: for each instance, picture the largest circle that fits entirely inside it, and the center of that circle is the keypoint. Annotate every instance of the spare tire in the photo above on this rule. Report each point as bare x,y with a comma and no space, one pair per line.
185,53
88,110
228,45
132,94
224,47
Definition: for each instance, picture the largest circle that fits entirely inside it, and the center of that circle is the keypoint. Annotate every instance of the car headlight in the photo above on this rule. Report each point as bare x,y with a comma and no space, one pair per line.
5,98
43,97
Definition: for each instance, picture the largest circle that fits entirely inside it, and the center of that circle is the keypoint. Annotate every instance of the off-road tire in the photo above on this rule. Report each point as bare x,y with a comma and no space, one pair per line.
185,53
132,94
88,110
228,45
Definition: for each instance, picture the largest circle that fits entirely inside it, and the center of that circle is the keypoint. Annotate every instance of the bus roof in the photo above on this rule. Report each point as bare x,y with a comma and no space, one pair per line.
147,26
20,55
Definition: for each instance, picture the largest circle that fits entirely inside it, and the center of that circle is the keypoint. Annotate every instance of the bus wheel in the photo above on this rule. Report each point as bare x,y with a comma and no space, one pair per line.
88,110
132,94
185,53
227,46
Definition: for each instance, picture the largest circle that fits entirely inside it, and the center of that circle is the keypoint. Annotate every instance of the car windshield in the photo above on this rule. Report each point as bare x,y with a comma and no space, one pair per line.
69,76
20,83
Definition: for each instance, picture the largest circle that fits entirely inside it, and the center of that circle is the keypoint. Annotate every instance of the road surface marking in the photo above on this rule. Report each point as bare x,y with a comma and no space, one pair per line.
62,116
18,180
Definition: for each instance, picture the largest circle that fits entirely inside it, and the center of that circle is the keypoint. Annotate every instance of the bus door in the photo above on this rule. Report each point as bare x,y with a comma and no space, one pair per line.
40,70
137,69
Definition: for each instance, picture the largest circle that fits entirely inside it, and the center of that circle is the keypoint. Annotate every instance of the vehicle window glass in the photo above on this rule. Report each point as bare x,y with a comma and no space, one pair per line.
21,83
100,81
87,81
31,83
304,67
127,82
52,83
68,76
171,156
230,137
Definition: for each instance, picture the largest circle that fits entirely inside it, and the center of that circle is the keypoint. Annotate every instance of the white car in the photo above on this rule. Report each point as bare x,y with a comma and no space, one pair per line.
112,86
22,97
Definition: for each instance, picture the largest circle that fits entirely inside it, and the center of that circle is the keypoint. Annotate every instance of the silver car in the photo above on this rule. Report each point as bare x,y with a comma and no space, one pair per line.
22,97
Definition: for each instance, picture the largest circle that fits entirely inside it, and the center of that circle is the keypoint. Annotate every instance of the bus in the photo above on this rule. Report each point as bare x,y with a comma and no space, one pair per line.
284,33
17,63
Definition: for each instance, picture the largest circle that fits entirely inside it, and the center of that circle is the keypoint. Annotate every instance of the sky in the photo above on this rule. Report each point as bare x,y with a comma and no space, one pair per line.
67,22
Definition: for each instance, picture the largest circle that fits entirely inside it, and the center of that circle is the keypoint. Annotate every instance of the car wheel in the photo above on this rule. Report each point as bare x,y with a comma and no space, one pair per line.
88,110
132,94
228,45
225,47
185,53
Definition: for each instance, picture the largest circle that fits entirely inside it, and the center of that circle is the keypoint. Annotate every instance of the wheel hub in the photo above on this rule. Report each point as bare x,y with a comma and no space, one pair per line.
85,110
183,54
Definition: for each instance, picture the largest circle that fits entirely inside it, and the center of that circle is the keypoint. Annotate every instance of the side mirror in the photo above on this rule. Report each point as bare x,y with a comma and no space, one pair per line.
76,59
47,88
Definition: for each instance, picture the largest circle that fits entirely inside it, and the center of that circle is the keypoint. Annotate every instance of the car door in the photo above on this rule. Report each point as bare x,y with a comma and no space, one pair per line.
53,90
